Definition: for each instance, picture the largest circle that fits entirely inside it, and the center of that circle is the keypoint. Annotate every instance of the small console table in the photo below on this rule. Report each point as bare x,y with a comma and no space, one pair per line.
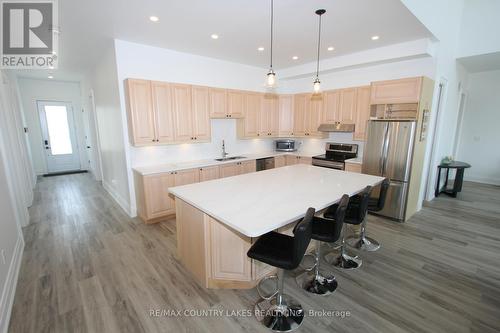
459,178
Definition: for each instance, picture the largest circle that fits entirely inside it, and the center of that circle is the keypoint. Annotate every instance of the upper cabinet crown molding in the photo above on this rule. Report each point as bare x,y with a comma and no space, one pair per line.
396,91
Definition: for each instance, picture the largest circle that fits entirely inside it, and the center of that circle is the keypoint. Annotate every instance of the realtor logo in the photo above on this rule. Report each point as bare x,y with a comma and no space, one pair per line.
29,37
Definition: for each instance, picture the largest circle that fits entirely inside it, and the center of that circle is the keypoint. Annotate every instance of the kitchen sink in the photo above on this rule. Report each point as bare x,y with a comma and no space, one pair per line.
229,158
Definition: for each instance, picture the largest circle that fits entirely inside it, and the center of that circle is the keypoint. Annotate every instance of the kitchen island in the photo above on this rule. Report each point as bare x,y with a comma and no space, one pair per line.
218,220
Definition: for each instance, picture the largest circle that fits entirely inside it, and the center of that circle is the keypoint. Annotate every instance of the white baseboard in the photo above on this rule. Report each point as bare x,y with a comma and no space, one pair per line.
9,289
491,181
117,197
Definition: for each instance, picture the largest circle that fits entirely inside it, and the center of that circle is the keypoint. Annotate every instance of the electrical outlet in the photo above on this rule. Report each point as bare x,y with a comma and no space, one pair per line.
2,256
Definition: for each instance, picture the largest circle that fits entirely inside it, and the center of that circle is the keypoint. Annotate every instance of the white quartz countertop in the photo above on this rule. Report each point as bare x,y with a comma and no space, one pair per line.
161,168
256,203
357,160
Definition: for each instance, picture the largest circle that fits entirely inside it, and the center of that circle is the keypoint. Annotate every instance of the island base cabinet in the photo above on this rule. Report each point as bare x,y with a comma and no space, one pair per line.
215,255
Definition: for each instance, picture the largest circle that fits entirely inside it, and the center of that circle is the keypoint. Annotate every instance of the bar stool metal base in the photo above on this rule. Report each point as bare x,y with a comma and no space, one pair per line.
343,261
364,243
317,284
280,318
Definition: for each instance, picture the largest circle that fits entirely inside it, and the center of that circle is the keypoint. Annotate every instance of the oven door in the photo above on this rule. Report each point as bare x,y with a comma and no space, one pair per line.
328,164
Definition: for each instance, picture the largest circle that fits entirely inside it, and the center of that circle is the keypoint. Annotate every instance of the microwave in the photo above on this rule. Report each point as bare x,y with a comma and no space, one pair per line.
285,145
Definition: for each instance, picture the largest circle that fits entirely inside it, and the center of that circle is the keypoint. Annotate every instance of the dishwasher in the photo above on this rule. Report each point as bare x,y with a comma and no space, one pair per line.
265,163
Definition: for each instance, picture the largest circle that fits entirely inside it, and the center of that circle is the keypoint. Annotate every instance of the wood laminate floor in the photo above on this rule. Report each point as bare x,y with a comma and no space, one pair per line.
87,267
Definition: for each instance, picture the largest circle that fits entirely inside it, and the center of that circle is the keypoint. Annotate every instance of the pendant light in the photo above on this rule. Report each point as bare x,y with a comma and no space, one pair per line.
317,82
271,76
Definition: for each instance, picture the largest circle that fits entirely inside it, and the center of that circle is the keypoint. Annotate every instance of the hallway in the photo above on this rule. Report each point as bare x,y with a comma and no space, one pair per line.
87,267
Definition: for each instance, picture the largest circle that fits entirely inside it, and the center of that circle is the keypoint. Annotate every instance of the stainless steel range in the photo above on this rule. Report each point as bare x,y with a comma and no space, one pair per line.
336,154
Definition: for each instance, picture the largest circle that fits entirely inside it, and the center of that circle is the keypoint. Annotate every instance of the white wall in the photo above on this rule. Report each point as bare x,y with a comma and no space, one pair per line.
443,18
480,135
15,183
480,27
103,82
33,90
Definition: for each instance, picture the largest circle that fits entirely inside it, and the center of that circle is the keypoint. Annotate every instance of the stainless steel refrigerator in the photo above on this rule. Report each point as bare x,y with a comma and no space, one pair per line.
388,152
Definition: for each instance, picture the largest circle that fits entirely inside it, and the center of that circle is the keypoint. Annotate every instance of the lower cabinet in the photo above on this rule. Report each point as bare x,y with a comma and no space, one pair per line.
209,173
154,203
237,168
293,159
353,167
279,161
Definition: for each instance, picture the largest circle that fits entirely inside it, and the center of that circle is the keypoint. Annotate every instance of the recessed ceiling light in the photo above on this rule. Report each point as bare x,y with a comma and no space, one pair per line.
260,49
330,48
375,37
295,57
214,36
51,67
54,52
50,76
154,18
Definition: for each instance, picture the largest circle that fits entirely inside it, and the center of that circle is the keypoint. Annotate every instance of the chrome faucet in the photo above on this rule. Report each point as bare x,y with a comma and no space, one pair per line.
224,154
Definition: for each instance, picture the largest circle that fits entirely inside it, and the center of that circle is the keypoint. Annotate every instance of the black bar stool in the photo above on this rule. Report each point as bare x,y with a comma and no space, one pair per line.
328,231
364,242
355,214
282,313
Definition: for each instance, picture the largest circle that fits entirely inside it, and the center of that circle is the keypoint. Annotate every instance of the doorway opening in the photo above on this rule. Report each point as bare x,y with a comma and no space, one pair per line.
59,136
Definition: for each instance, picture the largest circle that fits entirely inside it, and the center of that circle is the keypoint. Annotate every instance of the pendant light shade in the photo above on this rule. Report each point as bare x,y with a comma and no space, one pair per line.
317,82
271,75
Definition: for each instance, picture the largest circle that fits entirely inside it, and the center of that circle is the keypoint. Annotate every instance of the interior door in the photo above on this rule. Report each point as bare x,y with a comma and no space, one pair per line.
373,151
59,136
397,159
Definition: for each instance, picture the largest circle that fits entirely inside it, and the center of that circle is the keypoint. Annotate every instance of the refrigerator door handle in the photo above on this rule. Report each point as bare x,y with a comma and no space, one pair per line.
383,158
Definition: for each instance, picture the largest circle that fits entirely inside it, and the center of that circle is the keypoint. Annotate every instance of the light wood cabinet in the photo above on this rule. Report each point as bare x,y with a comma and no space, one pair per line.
248,166
347,105
164,117
185,177
237,168
362,113
183,115
157,201
249,126
279,161
140,112
235,103
396,91
201,113
353,167
293,159
209,173
229,170
218,103
285,110
154,203
165,113
315,111
299,114
331,106
269,116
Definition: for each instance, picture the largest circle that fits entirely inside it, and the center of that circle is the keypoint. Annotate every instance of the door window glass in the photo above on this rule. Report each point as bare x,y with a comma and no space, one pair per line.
58,128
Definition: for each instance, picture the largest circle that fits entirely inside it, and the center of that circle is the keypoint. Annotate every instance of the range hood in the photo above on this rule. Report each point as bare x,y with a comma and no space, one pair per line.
336,127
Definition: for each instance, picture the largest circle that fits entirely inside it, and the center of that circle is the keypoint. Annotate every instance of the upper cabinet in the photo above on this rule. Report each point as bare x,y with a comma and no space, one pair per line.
285,110
164,117
396,91
362,114
331,106
218,103
249,126
235,103
347,105
163,113
269,116
141,115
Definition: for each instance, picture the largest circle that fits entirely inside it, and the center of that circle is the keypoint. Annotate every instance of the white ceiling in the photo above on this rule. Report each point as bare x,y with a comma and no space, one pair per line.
243,25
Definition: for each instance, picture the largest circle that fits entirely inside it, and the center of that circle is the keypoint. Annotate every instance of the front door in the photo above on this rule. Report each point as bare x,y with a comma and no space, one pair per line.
58,135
